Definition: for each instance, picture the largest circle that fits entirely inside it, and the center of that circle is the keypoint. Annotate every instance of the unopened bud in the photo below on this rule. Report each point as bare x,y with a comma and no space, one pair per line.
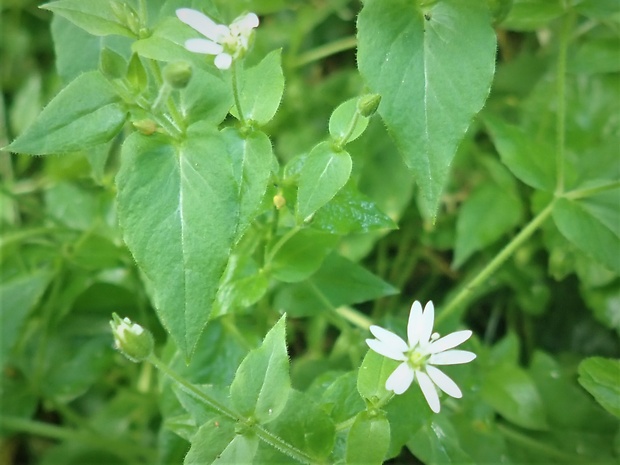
131,339
178,74
145,126
279,201
367,104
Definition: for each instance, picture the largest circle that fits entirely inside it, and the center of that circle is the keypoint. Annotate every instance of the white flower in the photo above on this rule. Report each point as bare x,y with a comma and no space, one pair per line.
227,43
419,356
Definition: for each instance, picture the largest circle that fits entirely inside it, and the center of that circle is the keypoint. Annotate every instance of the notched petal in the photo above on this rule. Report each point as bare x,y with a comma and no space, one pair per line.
428,320
385,350
198,21
223,61
429,391
452,357
203,46
389,338
400,379
449,341
444,382
414,325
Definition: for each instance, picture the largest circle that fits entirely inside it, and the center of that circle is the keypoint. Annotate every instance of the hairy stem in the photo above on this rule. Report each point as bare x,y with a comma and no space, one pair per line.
235,90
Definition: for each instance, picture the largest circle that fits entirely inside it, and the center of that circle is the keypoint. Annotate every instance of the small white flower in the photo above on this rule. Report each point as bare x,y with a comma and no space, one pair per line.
227,43
423,350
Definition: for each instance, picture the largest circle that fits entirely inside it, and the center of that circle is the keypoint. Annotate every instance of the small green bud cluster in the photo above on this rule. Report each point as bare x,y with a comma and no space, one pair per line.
178,74
131,339
367,104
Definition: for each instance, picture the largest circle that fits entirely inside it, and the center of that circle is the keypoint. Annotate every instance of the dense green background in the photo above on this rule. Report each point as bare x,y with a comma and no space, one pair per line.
419,203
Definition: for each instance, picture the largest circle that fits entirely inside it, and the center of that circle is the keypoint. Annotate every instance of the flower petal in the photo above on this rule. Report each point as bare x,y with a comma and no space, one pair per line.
444,382
400,379
223,61
245,23
385,350
452,357
203,46
428,319
414,325
200,22
389,338
449,341
429,391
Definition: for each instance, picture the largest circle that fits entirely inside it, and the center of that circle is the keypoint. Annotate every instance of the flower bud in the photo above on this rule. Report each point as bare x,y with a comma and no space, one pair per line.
145,126
131,339
279,201
367,104
178,74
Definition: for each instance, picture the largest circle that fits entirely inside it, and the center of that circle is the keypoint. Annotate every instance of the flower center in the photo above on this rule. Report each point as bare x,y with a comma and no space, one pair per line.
417,358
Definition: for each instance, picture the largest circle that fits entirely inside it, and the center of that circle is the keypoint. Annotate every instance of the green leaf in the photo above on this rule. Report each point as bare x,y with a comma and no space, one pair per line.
262,382
531,161
17,298
166,43
413,56
368,439
97,18
593,225
251,159
178,209
338,282
596,56
240,451
72,206
512,393
301,255
211,439
341,399
84,114
350,211
243,284
306,426
77,51
437,442
488,213
323,174
373,374
527,15
341,119
206,98
262,89
599,376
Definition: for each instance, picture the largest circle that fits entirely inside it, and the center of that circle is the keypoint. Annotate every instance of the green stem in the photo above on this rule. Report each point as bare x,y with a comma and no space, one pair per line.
283,446
326,50
283,240
163,94
235,89
492,267
561,103
192,390
353,316
263,434
346,424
